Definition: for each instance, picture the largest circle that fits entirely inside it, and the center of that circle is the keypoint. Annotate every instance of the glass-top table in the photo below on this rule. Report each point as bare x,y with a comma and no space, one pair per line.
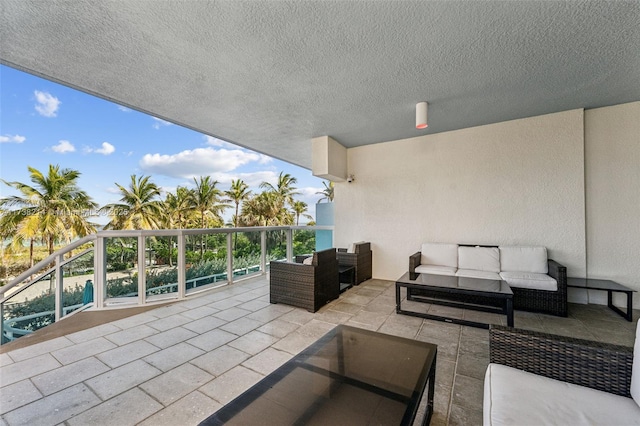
349,376
477,294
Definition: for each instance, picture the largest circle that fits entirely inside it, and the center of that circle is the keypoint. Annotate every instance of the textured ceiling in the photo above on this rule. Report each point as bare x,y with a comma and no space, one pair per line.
271,75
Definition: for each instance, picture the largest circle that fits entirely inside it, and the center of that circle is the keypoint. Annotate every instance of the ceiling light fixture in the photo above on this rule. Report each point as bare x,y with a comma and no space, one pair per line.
421,115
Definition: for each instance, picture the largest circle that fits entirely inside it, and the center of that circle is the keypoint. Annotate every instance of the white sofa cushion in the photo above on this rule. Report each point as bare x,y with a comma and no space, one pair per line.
308,260
441,254
530,280
516,397
474,273
435,270
479,258
352,246
523,259
635,369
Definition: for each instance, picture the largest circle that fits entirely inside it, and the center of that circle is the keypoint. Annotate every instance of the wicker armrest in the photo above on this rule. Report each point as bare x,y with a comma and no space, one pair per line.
597,365
292,266
301,257
414,261
559,273
342,250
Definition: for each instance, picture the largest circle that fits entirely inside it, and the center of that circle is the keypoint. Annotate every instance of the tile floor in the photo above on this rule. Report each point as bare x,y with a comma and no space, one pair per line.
177,364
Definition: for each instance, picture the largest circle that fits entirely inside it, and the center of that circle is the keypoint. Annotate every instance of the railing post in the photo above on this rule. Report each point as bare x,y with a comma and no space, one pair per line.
289,233
59,287
230,258
142,277
182,267
99,272
263,251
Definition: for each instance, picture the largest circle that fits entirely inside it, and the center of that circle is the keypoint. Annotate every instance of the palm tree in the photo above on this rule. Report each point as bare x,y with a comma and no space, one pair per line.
207,202
265,209
139,207
284,188
178,208
238,192
17,227
327,192
299,208
53,209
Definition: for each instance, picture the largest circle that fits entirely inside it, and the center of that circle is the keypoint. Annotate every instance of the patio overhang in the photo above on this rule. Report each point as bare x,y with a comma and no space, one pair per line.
271,76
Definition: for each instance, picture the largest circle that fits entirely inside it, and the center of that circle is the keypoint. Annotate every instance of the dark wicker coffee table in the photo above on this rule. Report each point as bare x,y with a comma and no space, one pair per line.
460,292
347,274
350,376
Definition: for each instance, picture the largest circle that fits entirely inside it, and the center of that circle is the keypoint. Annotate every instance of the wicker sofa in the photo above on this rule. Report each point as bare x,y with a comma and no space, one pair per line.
539,284
538,378
309,286
359,256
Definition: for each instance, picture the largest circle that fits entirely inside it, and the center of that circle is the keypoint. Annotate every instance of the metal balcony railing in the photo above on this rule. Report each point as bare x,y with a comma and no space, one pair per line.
133,268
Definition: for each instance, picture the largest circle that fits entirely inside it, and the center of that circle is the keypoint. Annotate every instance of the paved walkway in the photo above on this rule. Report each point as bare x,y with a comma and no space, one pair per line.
177,364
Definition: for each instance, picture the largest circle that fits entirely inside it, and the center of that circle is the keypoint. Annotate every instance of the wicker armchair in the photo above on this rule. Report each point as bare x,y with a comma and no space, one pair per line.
361,259
305,286
596,365
540,378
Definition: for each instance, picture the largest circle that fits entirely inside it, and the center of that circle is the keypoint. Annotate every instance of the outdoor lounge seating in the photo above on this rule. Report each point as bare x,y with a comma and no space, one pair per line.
359,255
309,286
538,378
539,284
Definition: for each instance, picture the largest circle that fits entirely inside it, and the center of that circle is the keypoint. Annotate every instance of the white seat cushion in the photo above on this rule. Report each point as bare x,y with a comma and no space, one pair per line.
635,369
474,273
436,270
308,260
480,258
523,259
530,280
440,254
515,397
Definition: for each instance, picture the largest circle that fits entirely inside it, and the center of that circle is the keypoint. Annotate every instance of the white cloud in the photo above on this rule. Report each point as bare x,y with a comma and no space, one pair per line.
158,122
252,179
124,108
197,162
46,104
106,149
213,141
14,138
63,147
210,140
265,159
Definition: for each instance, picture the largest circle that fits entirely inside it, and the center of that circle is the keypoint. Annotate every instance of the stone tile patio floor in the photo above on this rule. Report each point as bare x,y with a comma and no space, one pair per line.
177,364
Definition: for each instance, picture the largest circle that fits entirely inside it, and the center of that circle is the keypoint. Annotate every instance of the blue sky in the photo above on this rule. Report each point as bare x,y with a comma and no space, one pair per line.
42,123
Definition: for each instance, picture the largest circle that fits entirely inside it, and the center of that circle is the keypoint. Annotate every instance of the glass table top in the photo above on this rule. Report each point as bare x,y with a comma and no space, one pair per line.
349,376
453,282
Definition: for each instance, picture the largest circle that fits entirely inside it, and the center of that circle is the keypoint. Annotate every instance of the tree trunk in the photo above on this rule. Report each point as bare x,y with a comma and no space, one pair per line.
31,253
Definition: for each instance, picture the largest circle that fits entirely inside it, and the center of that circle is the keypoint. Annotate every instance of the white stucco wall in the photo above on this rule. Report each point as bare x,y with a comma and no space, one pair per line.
612,170
516,182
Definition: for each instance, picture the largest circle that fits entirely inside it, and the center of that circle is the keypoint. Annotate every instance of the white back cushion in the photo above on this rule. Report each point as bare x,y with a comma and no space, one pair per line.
479,258
442,254
352,246
523,259
308,261
635,369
